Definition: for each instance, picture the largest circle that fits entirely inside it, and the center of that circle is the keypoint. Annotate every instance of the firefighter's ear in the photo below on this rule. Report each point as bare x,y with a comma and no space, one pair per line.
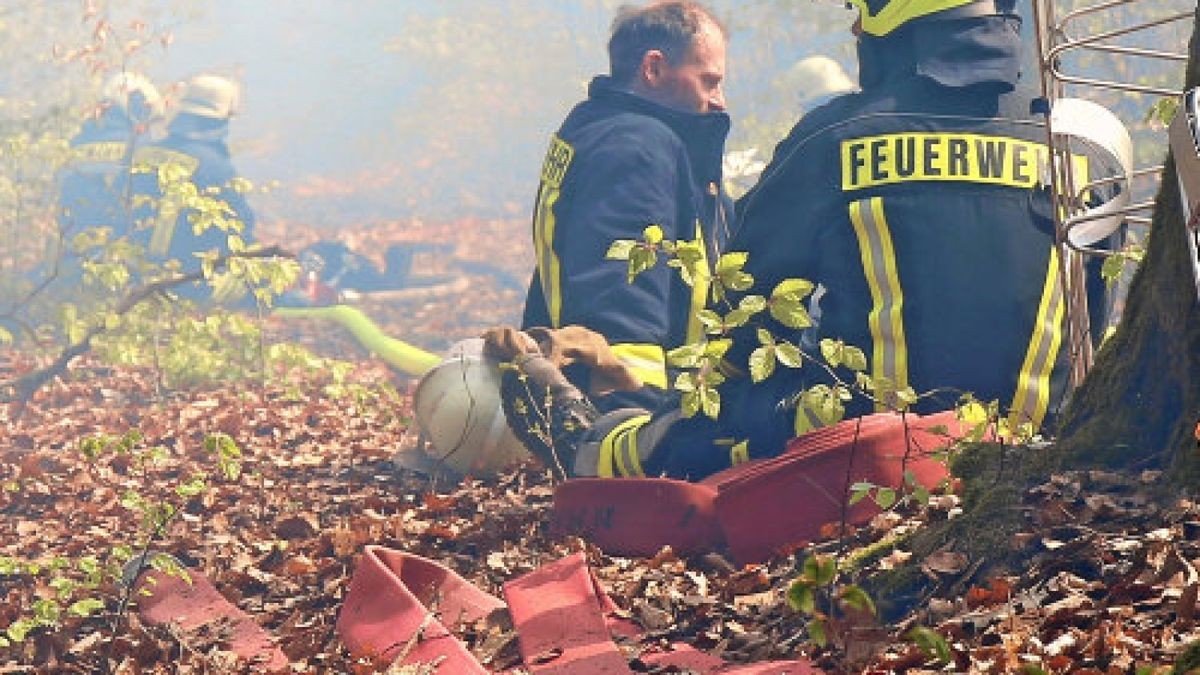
654,64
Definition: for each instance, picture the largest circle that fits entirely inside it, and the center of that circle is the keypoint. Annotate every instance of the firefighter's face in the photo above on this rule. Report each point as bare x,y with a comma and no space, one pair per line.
695,83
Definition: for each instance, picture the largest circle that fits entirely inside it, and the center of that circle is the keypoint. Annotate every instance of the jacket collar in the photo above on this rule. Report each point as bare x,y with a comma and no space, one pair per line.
702,133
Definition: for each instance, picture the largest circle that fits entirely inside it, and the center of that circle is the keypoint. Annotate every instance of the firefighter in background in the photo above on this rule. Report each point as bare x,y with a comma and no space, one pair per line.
195,145
94,184
921,205
644,148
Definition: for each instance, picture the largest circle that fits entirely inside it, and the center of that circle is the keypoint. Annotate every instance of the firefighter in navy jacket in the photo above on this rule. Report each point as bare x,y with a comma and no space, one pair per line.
921,205
196,144
645,148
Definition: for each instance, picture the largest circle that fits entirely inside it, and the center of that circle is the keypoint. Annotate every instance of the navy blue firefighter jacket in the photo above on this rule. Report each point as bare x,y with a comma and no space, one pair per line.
922,206
618,164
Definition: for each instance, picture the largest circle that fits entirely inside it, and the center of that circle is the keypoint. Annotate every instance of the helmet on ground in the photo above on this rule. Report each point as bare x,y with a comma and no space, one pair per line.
133,95
881,17
457,406
212,96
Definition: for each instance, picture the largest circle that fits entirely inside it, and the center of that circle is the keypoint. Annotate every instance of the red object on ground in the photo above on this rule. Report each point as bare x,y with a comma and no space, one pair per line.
559,614
638,516
197,608
389,611
762,506
770,504
563,618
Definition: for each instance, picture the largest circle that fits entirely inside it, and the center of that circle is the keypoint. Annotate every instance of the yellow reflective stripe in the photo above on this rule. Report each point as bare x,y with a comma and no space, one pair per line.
152,159
1032,397
739,453
886,320
701,279
164,227
108,151
554,170
897,12
618,450
888,159
648,362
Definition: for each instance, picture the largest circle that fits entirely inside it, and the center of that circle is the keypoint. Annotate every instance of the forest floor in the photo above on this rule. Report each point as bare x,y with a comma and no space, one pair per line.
1106,583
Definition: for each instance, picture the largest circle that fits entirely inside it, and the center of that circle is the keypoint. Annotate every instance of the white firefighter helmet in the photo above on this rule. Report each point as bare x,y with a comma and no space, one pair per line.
457,405
1097,127
211,96
817,76
124,89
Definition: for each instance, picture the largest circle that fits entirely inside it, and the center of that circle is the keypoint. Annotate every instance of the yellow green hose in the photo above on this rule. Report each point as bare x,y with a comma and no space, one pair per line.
407,358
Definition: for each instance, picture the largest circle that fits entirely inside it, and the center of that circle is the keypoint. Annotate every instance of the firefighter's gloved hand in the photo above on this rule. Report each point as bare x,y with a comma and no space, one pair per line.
505,343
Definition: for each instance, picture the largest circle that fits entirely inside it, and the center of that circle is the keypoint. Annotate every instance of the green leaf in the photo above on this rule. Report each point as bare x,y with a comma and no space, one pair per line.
817,632
85,607
762,363
716,349
731,262
921,495
18,630
736,318
930,642
831,351
854,359
855,597
690,403
192,487
710,401
800,288
687,356
752,304
764,336
789,355
62,587
790,313
640,260
885,497
859,491
46,611
710,320
620,249
800,596
820,569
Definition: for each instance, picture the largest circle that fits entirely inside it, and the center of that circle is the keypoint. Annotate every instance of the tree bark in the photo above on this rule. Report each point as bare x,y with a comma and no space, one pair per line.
1139,405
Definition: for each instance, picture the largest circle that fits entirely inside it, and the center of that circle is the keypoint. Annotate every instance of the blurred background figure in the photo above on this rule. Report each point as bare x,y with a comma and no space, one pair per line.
95,181
193,159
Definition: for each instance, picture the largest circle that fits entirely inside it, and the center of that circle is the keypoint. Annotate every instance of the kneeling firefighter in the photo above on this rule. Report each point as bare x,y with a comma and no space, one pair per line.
922,205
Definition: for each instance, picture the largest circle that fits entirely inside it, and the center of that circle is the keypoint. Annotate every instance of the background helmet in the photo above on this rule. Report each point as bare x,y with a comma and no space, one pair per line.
881,17
133,95
817,76
457,406
212,96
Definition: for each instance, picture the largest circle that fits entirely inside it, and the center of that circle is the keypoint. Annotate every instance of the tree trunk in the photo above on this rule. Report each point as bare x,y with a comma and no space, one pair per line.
1139,406
1136,409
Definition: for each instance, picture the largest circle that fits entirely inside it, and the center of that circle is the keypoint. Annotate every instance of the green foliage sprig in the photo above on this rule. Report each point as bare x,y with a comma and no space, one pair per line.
84,587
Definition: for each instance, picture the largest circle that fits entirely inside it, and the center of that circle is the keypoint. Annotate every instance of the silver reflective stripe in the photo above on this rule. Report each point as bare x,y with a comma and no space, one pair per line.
886,320
1032,397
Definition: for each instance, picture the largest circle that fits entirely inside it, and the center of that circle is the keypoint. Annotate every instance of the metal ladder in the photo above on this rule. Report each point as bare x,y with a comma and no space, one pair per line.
1057,37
